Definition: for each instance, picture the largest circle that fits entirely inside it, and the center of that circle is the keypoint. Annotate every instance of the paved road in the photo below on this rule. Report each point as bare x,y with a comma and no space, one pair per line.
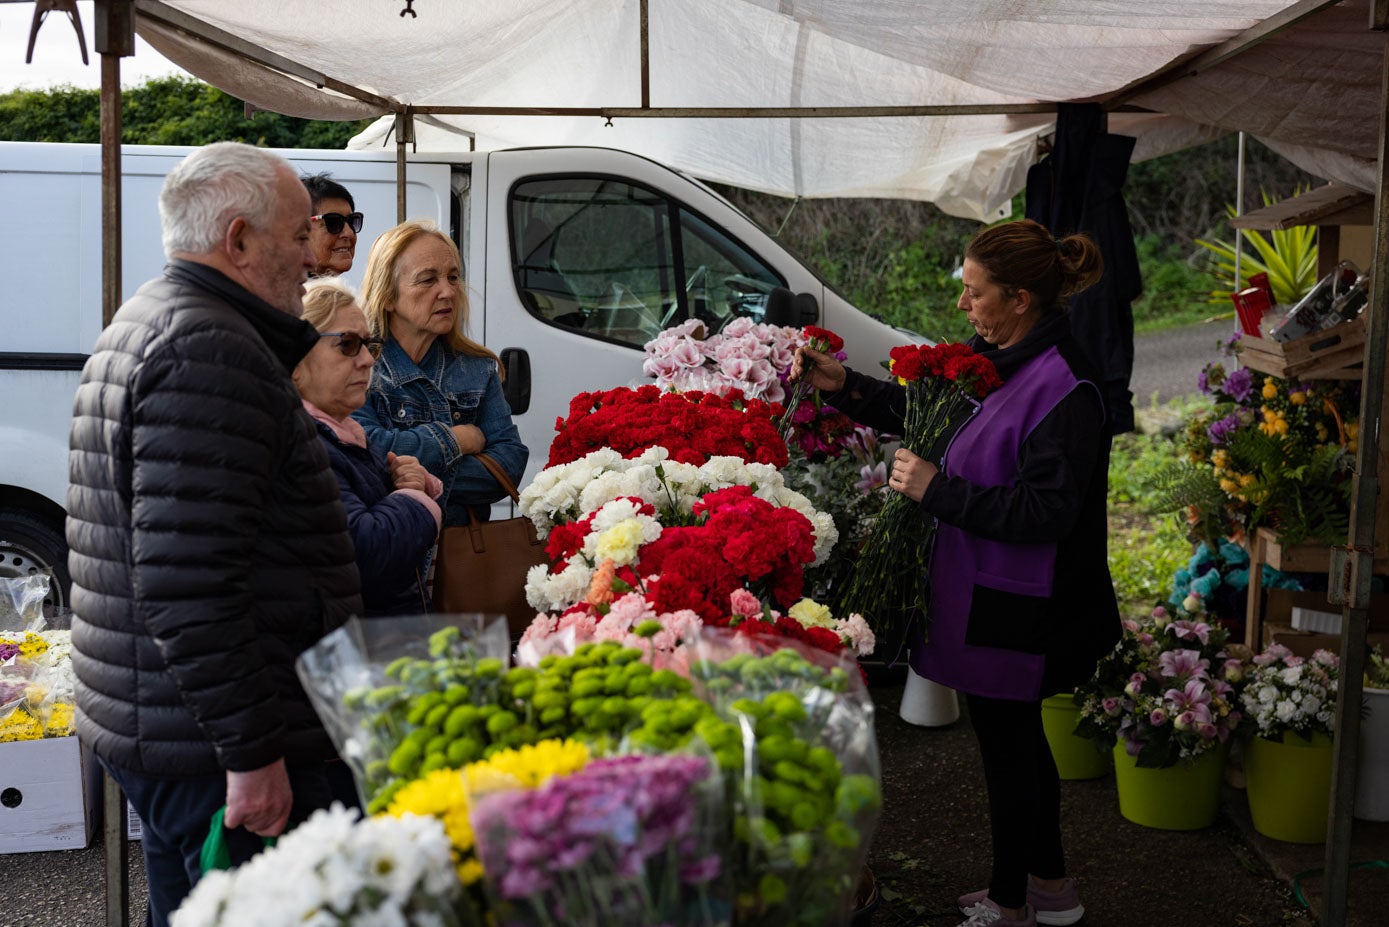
1167,363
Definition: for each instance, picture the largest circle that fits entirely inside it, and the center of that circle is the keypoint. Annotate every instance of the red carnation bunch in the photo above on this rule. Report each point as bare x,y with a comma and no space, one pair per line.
817,339
971,373
944,384
739,541
693,426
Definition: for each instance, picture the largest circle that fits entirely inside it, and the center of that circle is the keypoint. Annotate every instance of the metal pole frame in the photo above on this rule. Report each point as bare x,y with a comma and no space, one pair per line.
1352,567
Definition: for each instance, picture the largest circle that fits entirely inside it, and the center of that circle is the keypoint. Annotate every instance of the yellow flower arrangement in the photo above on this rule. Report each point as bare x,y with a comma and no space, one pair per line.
19,725
443,793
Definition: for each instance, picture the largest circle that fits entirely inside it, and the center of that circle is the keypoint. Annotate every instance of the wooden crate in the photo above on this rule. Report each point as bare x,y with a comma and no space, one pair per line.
50,795
1334,354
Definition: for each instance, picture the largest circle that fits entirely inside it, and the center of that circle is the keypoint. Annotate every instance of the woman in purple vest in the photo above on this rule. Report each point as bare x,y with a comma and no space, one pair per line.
1021,604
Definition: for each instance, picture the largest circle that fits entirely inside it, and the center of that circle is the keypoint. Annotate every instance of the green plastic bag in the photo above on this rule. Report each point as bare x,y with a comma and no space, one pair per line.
215,854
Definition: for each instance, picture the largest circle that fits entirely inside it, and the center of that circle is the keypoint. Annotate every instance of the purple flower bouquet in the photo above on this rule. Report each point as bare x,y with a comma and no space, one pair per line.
629,841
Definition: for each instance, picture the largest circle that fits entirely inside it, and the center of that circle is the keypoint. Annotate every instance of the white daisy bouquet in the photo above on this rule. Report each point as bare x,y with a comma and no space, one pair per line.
1285,693
335,869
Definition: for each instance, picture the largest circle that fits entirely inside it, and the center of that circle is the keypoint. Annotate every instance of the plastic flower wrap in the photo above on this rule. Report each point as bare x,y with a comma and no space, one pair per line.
386,687
692,426
1169,690
1287,694
793,730
36,675
334,869
944,383
627,840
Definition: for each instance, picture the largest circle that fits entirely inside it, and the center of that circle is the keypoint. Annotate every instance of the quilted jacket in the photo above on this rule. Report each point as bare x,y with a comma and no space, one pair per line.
208,544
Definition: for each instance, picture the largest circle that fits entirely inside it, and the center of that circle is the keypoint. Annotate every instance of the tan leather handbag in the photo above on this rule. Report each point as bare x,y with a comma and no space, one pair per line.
482,565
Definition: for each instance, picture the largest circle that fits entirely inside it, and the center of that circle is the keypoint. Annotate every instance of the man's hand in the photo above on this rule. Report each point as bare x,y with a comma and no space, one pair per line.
470,439
259,800
408,473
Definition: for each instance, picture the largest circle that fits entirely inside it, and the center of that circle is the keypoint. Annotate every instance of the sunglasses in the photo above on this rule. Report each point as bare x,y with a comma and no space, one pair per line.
334,221
351,343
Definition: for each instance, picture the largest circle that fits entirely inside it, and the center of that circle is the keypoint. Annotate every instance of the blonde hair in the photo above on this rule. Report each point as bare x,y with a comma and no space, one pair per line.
323,297
381,286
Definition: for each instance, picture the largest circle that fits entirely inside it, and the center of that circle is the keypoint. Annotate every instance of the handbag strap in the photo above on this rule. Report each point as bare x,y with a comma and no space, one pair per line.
499,475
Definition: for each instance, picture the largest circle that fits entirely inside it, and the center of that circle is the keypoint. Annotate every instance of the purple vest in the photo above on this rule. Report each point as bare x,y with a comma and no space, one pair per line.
985,452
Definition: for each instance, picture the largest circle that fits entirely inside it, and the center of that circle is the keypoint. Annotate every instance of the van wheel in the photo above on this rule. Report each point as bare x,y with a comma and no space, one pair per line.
28,545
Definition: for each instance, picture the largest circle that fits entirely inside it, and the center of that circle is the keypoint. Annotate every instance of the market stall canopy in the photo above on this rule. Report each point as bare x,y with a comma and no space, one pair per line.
960,91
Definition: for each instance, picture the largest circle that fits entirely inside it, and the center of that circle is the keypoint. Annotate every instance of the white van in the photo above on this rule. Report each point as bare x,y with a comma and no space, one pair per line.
574,258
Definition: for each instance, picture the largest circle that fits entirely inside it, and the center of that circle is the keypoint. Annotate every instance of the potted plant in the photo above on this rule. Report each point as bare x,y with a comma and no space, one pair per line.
1164,701
1290,714
1372,780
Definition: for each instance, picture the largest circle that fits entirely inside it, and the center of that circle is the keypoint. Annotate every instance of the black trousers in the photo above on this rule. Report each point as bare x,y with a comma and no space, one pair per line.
174,819
1024,796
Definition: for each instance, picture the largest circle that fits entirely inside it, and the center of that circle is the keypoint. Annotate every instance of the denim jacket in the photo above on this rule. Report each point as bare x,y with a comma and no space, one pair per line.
411,409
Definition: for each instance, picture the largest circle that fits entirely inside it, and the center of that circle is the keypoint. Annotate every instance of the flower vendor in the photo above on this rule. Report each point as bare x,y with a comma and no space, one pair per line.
1019,601
435,393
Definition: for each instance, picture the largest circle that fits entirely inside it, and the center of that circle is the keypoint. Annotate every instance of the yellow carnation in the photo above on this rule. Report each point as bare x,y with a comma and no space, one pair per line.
812,614
440,795
620,542
1269,390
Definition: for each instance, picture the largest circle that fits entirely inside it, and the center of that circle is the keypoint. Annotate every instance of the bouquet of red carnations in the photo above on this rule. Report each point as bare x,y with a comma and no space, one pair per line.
945,383
693,426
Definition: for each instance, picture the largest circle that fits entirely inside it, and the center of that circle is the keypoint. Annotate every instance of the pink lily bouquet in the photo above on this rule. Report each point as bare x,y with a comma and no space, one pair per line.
1169,689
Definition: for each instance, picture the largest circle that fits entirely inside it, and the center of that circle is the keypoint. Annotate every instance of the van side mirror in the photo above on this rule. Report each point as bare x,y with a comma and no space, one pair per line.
516,362
793,309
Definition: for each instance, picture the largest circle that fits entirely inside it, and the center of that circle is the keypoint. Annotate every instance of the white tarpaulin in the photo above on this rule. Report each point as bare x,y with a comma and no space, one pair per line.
1312,91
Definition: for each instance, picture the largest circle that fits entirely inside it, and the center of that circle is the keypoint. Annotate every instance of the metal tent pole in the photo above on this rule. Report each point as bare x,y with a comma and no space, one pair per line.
115,39
1352,567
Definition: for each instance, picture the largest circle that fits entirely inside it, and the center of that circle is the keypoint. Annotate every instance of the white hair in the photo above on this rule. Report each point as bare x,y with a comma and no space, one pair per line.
211,187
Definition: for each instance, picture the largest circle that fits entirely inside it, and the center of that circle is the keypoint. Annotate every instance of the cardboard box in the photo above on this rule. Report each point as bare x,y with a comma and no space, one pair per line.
50,795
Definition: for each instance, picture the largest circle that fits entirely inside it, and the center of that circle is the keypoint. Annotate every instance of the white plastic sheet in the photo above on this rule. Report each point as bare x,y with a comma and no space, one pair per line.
1312,91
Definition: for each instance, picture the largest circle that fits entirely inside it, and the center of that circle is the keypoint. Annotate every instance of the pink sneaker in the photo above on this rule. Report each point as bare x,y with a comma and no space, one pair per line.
987,914
1055,909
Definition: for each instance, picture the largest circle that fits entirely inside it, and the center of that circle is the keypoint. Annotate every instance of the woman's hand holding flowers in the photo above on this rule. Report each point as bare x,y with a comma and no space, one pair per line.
818,369
911,474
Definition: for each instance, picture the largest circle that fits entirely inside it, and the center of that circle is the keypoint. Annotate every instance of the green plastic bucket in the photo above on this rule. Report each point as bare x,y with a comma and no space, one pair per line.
1076,757
1289,786
1181,797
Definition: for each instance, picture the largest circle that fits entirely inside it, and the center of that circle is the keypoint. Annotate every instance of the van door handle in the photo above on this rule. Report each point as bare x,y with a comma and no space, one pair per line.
516,362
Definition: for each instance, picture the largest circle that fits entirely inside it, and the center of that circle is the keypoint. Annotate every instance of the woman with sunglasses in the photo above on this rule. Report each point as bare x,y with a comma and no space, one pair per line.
436,393
392,514
333,226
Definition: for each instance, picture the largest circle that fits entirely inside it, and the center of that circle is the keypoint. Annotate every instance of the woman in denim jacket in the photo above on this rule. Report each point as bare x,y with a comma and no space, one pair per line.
435,393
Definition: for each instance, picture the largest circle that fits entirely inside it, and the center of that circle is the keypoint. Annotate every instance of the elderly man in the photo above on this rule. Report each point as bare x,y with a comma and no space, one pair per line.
208,544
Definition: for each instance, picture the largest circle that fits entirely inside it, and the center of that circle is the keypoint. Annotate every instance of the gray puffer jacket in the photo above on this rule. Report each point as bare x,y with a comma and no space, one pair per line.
208,544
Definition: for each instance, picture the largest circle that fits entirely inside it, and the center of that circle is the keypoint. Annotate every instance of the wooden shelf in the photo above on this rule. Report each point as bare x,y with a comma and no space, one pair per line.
1295,558
1333,204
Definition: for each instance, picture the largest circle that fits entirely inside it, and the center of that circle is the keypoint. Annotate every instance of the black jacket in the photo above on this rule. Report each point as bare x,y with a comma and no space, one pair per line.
208,545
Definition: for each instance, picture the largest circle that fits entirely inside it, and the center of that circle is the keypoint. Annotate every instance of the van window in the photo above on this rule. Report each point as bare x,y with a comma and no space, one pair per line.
621,262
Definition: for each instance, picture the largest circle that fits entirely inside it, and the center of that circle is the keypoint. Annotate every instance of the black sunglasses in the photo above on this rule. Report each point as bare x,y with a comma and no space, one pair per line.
351,343
334,221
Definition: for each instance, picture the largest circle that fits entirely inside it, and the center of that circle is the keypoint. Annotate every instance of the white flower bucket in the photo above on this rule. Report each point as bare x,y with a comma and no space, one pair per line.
928,704
1372,777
